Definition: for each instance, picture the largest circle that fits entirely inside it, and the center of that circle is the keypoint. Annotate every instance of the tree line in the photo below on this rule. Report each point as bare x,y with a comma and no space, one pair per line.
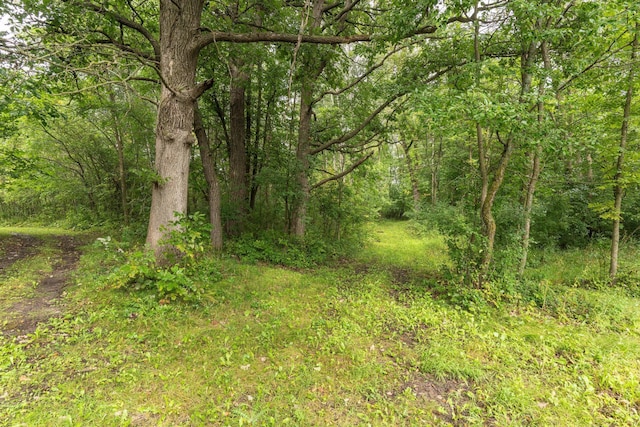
509,123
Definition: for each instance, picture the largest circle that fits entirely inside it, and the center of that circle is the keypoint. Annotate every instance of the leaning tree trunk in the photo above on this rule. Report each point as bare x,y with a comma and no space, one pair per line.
174,128
213,184
535,167
618,188
486,209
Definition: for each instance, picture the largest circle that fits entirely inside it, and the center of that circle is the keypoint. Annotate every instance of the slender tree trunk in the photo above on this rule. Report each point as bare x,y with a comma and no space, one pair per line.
299,213
174,129
313,69
535,167
436,155
238,194
254,166
213,184
486,210
483,168
122,177
415,191
618,187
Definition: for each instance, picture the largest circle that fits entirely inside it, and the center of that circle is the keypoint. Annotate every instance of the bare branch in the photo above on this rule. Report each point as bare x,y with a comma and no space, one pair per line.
343,173
209,37
201,88
101,9
349,135
362,77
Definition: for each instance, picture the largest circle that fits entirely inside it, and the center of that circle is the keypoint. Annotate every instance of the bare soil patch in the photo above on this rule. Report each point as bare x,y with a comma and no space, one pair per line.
15,248
25,315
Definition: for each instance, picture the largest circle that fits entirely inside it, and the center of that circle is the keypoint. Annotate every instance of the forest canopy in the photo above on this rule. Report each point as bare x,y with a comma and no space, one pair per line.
506,124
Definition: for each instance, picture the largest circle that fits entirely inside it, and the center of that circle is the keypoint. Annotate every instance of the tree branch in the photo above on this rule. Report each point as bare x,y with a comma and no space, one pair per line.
209,37
359,79
101,9
349,135
343,173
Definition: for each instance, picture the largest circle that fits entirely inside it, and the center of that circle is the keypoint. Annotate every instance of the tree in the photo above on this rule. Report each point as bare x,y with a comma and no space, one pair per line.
618,181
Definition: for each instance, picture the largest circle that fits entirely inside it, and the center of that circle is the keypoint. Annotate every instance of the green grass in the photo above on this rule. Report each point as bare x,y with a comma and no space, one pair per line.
397,244
35,231
333,346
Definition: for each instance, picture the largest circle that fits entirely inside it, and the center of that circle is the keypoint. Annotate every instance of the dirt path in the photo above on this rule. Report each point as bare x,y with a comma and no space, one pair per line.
25,315
15,248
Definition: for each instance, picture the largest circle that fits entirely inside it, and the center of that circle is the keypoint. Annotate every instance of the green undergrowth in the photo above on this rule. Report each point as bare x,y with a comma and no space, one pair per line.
379,340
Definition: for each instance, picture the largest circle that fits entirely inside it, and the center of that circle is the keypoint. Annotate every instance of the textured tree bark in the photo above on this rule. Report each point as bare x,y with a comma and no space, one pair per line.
213,184
302,157
238,183
179,24
618,188
314,69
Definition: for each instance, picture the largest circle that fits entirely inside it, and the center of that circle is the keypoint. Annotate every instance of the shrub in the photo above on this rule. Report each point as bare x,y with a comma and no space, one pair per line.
185,277
275,248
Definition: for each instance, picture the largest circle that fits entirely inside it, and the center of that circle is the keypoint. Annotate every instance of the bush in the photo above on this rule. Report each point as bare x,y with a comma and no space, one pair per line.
186,275
274,248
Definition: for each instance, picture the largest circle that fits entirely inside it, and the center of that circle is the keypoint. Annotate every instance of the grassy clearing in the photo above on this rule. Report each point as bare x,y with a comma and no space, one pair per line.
341,346
397,244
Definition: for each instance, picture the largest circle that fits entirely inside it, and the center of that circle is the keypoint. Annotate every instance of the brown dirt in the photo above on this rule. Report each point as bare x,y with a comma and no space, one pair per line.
25,315
15,248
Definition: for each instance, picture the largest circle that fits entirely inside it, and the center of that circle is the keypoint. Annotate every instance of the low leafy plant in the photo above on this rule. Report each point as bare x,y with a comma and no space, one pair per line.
183,277
275,248
189,236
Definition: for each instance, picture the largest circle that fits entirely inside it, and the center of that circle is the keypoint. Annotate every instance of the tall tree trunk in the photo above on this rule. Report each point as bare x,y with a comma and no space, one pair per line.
534,174
299,213
122,177
535,166
313,69
415,191
238,193
254,166
486,209
436,155
174,129
618,187
483,168
213,184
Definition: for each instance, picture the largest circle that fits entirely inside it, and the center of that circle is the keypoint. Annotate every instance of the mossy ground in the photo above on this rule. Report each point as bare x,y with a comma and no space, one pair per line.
363,342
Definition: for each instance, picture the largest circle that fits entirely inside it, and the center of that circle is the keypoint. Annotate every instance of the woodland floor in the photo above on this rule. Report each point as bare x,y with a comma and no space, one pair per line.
23,316
379,339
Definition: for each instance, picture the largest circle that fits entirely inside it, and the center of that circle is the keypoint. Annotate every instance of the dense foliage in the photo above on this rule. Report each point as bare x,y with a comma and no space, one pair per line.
500,123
